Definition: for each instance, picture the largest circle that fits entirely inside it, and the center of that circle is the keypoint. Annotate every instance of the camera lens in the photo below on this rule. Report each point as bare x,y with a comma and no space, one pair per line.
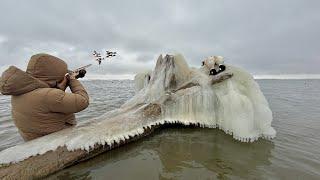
81,74
222,67
213,72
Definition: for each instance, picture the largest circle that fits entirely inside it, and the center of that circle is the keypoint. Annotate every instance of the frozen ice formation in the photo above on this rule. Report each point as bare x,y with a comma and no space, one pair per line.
192,96
172,93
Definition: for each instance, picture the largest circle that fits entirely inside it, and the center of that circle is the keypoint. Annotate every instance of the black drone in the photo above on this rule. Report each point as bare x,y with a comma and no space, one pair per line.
110,54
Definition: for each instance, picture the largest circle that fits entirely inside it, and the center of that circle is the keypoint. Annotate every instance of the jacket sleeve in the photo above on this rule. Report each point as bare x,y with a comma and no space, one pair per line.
62,102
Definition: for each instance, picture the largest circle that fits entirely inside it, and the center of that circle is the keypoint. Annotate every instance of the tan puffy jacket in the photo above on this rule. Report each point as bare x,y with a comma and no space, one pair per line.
39,109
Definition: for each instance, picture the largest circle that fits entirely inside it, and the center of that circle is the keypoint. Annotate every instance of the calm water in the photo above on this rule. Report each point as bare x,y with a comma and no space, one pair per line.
195,153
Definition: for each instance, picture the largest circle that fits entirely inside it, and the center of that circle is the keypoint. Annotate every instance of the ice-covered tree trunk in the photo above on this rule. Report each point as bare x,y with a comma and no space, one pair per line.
171,93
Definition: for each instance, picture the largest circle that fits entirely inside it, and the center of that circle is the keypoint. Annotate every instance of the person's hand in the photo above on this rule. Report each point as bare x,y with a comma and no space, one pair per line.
64,83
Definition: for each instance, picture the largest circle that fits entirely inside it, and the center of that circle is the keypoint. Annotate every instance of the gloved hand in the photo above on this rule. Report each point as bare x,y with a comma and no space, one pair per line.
64,83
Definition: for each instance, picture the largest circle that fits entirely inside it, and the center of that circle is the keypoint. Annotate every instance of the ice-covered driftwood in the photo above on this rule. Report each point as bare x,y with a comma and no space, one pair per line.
171,93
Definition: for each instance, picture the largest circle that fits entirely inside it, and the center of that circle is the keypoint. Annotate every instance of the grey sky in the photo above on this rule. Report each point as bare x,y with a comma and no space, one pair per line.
264,37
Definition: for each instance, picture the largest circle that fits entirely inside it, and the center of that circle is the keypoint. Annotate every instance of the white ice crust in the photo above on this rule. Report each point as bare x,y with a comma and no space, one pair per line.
236,105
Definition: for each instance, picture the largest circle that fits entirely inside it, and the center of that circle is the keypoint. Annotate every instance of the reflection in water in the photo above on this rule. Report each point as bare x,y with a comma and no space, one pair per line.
209,151
183,153
73,176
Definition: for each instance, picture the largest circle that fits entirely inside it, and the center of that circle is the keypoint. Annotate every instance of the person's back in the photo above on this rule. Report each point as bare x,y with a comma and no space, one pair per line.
38,106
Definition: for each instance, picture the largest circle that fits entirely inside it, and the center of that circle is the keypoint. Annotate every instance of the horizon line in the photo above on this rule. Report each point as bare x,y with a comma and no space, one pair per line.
264,76
287,76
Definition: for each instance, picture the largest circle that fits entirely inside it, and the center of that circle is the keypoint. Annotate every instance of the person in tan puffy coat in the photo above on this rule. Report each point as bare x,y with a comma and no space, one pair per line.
40,105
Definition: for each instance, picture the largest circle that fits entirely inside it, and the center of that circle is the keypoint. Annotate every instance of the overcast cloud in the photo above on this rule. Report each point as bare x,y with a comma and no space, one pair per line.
264,37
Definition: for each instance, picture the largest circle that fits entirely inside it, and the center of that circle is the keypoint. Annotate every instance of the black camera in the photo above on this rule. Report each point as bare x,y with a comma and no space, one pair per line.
81,73
215,72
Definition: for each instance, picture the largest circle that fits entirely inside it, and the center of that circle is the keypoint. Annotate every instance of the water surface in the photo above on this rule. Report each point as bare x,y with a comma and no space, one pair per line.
196,153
